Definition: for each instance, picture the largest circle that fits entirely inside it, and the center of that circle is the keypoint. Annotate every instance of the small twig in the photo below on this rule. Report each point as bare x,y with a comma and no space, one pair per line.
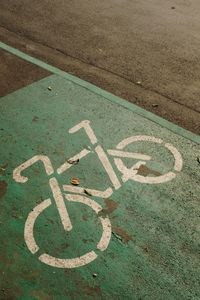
87,192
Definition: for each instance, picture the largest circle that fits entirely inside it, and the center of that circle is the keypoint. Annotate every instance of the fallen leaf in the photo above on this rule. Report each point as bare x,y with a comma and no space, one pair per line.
73,162
75,181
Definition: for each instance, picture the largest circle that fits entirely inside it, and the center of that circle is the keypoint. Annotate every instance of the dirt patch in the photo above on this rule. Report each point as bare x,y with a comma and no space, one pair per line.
111,206
3,188
145,171
40,295
123,235
93,291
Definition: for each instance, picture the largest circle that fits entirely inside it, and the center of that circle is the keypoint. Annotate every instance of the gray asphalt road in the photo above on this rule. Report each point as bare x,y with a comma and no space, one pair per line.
17,73
144,51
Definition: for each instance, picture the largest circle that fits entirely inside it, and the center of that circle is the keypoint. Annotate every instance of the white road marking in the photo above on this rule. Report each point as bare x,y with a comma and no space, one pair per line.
108,167
72,262
128,154
47,165
68,263
84,200
66,165
107,231
138,138
86,125
178,158
29,225
60,204
127,173
131,173
80,190
106,236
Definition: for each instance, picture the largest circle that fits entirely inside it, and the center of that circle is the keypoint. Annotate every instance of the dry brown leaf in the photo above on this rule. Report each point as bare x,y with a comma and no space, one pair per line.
75,181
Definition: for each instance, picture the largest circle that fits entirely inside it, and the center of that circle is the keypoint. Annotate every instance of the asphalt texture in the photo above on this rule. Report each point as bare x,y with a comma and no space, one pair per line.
17,73
144,51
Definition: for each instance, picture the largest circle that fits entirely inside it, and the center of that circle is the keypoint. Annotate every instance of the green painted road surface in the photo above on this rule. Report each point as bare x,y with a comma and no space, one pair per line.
129,229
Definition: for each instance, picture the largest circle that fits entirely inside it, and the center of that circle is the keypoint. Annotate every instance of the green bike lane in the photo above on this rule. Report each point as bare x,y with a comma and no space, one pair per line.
154,240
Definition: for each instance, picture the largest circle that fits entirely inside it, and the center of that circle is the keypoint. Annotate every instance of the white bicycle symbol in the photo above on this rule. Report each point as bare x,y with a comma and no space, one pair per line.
79,196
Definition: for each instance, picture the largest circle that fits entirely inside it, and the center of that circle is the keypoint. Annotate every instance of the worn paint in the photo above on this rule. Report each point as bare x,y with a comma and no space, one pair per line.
153,252
145,171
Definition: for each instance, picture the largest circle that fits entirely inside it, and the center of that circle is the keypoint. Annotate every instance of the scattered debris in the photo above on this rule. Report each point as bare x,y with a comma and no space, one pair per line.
155,105
2,170
87,192
117,236
94,274
73,162
121,235
14,216
35,119
49,88
75,181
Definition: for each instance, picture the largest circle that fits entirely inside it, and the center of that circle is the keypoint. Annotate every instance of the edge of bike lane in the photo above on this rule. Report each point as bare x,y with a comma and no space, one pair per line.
136,109
151,239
